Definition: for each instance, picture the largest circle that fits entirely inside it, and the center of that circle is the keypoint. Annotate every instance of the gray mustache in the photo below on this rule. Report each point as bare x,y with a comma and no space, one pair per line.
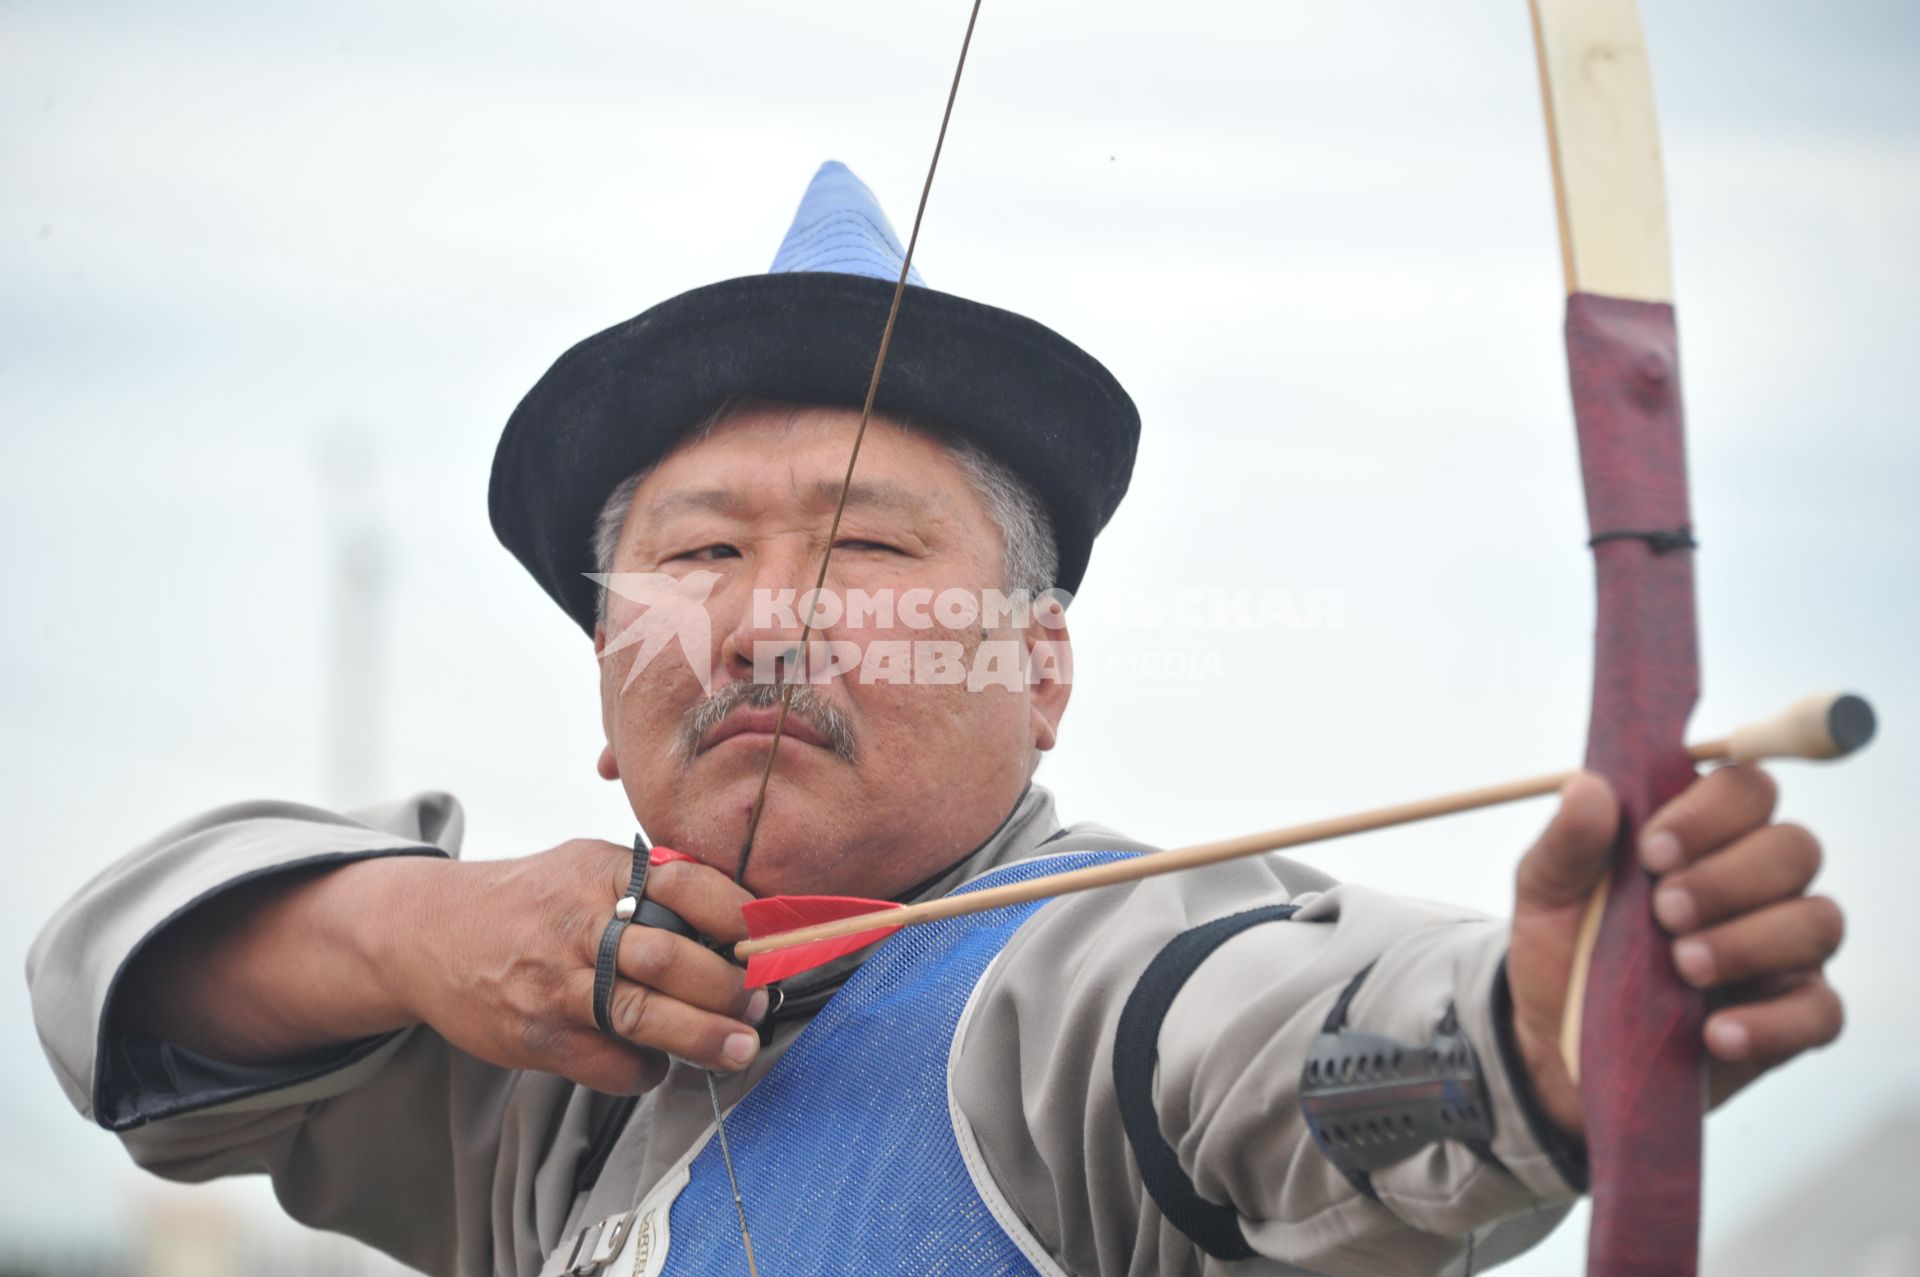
807,704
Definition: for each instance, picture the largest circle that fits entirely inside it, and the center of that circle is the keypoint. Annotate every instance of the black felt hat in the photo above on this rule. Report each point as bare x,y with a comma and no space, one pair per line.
807,332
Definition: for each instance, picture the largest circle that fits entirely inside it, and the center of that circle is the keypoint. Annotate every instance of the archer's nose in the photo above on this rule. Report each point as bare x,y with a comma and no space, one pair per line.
761,635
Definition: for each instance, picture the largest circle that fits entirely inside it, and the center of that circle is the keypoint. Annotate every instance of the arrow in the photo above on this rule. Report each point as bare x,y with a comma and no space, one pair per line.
790,934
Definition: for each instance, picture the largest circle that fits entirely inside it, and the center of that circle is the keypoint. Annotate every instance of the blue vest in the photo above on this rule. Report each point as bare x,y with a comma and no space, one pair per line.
845,1151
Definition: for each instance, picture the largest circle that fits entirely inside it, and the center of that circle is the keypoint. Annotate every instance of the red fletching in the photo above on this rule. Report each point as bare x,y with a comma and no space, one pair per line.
663,855
777,915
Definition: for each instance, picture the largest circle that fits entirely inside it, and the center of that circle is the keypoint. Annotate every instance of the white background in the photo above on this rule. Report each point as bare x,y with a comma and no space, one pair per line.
1315,241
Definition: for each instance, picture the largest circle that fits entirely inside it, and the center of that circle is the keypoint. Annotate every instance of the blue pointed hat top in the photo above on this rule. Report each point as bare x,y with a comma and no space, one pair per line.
840,227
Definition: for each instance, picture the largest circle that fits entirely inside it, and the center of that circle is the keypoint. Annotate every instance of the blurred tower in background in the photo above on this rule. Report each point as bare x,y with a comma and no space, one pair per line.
359,560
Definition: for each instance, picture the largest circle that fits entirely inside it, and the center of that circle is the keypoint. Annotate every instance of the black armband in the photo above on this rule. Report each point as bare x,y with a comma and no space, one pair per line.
1371,1101
1212,1226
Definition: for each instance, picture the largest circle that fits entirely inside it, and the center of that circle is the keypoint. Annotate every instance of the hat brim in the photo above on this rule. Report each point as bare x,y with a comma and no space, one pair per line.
620,400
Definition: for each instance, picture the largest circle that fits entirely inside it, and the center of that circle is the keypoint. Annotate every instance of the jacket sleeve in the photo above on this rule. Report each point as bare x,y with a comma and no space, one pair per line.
1034,1089
380,1139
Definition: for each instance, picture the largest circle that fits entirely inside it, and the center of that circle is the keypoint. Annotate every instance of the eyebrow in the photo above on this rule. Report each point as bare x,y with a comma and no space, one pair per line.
825,493
879,495
684,500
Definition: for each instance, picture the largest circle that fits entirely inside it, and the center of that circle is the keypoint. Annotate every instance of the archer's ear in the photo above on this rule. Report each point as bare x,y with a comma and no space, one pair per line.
1049,670
608,766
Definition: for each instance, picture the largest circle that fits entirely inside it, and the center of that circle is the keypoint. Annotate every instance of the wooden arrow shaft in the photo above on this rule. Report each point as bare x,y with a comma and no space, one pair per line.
1163,862
1825,725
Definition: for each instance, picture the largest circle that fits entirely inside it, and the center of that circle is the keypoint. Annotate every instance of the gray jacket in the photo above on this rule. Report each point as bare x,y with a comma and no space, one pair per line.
457,1166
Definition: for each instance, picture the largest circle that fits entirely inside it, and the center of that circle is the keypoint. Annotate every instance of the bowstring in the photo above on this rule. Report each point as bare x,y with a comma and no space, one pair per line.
820,580
846,484
733,1183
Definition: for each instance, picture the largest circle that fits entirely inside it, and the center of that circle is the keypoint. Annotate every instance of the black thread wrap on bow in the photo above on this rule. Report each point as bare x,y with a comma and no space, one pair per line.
1663,542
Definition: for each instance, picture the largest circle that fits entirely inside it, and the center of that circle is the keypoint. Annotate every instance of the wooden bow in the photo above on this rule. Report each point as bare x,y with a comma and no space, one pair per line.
1636,1046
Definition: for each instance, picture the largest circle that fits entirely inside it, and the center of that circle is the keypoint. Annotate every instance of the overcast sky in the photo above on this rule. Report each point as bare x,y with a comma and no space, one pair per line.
239,243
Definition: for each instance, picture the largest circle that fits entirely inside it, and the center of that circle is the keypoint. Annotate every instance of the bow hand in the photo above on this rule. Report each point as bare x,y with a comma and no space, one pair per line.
1731,891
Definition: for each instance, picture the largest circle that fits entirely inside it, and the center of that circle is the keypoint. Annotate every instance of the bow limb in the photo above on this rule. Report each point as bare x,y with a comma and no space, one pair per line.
1633,1036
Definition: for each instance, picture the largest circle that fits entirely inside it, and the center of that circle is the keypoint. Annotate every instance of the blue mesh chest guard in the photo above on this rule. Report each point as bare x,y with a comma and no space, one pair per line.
845,1151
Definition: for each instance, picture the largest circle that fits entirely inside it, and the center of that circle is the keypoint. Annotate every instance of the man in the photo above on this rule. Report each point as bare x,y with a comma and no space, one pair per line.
443,1059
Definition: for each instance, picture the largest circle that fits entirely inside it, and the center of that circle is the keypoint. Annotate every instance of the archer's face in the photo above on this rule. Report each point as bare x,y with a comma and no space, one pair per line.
890,767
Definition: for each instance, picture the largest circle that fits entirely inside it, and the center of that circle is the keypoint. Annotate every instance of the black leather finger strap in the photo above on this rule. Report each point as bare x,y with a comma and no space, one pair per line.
642,860
606,963
604,967
661,918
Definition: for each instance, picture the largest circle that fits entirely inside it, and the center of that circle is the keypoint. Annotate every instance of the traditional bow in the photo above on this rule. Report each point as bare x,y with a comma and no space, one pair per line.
1635,1045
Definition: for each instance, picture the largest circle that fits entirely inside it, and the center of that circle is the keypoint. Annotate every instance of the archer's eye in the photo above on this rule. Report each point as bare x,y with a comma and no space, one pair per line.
878,547
706,554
